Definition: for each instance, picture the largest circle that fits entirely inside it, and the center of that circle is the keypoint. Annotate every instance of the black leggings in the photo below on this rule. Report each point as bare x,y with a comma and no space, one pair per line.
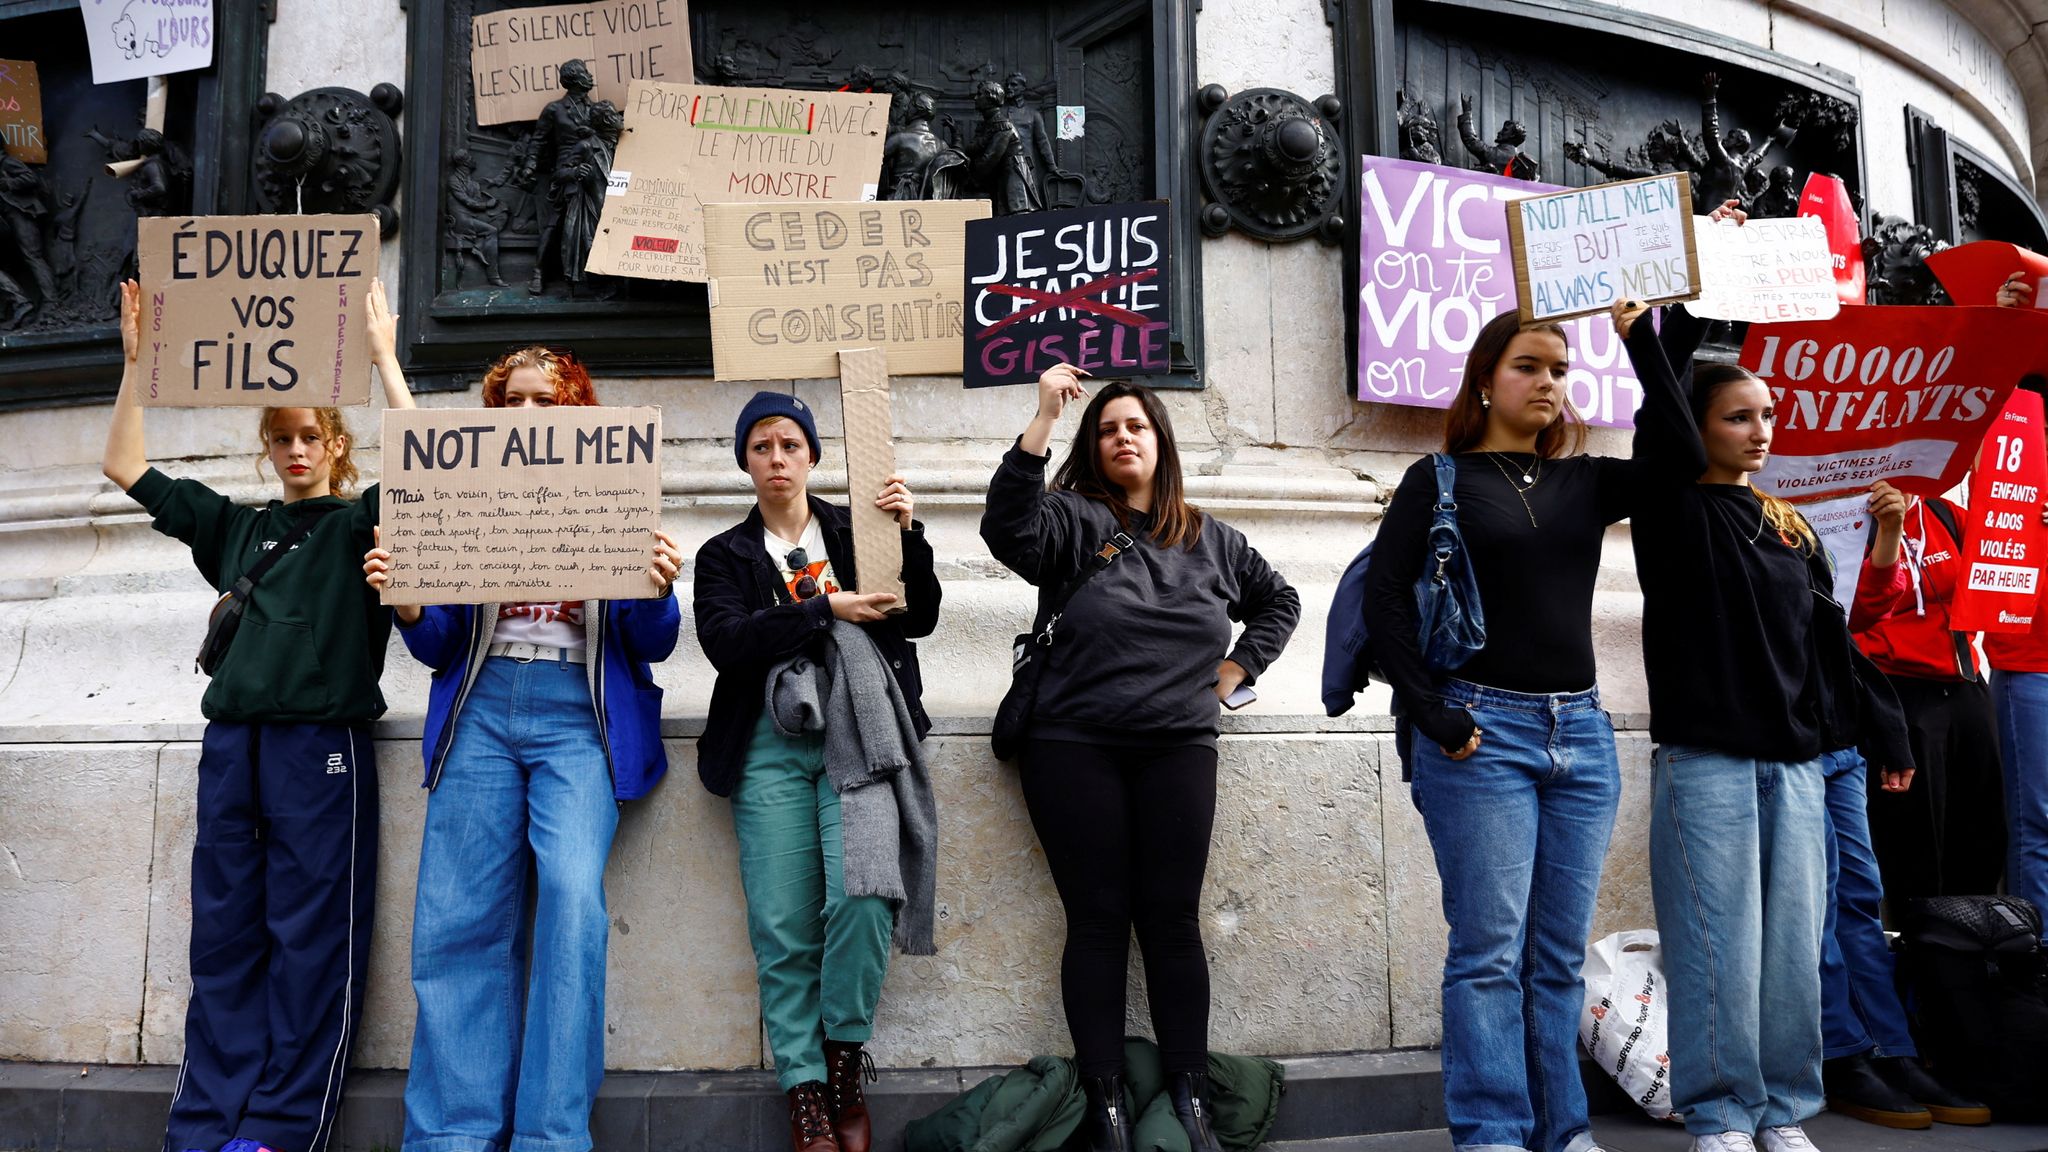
1126,834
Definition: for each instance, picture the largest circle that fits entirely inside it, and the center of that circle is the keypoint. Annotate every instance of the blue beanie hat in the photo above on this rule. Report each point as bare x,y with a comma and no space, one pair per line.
768,406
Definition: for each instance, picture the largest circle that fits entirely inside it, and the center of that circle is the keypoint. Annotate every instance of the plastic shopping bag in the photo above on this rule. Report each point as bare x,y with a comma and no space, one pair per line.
1623,1025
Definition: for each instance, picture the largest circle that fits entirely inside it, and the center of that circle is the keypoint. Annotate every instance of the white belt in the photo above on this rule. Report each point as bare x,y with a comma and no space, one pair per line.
526,653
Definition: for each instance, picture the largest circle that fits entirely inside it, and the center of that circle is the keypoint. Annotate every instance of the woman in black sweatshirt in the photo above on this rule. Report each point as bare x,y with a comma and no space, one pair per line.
1752,677
1513,759
1119,766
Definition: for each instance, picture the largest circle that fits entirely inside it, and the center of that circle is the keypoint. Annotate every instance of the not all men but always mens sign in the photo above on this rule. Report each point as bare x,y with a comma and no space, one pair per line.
255,310
501,504
1578,252
1083,286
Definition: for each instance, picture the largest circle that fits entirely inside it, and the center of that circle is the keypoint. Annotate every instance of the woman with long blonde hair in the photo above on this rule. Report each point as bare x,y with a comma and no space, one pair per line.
1752,678
284,862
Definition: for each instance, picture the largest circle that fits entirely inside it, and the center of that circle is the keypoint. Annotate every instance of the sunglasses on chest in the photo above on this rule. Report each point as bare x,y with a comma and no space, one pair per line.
797,561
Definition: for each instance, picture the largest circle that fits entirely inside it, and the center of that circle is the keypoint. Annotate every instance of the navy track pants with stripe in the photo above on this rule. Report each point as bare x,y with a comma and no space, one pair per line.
284,880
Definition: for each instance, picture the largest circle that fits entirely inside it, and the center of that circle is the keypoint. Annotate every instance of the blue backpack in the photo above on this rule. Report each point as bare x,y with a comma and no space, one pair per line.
1452,625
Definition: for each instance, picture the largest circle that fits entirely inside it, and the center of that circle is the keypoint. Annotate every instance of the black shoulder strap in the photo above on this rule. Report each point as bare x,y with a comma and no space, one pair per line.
308,520
1966,660
1117,546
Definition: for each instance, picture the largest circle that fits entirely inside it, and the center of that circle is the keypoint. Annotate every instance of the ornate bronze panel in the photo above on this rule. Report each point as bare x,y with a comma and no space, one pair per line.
472,220
69,227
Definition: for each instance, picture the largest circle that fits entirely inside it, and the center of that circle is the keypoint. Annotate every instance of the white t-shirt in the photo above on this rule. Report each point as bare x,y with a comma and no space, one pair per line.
818,565
554,623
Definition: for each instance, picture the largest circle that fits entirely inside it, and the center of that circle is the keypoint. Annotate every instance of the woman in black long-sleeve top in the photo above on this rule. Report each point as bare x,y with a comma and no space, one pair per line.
1513,758
1751,678
1119,767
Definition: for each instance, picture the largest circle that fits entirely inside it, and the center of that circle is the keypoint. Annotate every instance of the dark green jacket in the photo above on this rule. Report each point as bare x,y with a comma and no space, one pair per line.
1038,1107
311,644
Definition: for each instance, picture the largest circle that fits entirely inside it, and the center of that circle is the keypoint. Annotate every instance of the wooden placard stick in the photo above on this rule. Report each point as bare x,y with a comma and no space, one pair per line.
870,461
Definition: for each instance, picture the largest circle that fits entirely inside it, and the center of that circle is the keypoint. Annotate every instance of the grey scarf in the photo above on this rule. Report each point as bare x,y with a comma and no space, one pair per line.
889,823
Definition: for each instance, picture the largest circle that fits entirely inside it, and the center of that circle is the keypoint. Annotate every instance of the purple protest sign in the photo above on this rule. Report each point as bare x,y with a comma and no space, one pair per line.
1434,268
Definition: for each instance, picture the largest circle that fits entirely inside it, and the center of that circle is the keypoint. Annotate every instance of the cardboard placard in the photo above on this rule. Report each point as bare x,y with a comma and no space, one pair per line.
255,310
1577,252
2003,537
688,145
1434,268
137,39
1898,393
1765,271
21,112
870,461
1084,286
1972,273
793,284
516,54
505,504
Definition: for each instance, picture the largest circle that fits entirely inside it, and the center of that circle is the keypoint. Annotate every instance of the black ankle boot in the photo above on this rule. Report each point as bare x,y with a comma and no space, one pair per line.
1190,1093
1856,1088
1109,1124
1925,1089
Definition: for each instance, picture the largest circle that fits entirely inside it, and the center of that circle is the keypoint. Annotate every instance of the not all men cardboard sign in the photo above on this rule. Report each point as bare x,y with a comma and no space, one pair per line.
255,310
1082,286
500,504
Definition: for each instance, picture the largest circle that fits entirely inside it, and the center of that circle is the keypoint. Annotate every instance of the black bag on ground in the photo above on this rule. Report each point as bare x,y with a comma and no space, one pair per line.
1978,982
1028,655
226,618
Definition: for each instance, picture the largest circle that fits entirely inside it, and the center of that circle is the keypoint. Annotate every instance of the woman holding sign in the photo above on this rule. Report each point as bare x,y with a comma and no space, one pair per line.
1752,677
285,857
1512,758
1118,762
543,719
837,833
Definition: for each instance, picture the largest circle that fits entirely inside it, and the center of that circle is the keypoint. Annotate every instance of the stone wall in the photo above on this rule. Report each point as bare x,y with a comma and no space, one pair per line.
1321,905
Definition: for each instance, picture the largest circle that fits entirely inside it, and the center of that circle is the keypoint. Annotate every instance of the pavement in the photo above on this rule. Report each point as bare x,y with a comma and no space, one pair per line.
1639,1133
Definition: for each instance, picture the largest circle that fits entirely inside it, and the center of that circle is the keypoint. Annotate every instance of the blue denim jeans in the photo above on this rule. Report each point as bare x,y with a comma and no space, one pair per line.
1738,870
2021,699
508,1046
1520,830
1859,1002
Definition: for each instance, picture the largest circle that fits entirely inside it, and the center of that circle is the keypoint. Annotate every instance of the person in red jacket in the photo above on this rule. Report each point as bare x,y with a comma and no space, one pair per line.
1946,834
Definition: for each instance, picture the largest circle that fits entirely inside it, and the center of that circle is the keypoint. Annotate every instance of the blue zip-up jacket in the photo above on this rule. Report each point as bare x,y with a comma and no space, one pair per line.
623,639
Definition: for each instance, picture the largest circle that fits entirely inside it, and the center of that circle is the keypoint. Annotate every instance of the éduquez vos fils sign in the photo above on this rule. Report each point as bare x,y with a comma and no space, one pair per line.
1082,286
255,310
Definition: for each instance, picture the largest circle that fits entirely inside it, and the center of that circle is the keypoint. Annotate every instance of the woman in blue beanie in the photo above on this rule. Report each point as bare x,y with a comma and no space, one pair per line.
768,589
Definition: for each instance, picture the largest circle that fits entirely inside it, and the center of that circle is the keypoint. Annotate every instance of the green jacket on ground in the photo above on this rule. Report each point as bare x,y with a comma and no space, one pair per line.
1038,1108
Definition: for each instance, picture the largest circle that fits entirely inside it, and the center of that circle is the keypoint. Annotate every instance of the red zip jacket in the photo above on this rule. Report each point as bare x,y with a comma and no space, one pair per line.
1902,623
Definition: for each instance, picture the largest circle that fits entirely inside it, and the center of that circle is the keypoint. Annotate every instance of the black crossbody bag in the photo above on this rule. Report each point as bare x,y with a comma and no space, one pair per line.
226,617
1030,652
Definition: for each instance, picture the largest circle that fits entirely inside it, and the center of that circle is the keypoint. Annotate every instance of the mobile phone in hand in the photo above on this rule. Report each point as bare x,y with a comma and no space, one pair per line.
1242,696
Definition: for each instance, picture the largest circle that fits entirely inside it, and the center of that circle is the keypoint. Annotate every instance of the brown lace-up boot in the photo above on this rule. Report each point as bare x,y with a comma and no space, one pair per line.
845,1065
810,1123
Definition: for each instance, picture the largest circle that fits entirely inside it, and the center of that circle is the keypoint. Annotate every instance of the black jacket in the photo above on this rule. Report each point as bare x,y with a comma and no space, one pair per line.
747,623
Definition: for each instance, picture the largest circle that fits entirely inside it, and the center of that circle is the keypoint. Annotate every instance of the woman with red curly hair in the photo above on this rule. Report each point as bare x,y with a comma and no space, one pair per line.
543,718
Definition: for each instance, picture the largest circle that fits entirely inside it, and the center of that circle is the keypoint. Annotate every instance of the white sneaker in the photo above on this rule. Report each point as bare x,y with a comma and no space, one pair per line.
1724,1142
1785,1138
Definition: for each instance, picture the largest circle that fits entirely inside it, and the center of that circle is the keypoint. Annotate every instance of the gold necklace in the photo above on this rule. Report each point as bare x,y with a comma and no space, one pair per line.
1527,479
1520,493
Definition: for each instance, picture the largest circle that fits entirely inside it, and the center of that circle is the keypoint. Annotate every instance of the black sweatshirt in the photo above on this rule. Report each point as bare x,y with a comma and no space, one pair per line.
1535,583
1134,657
1740,641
